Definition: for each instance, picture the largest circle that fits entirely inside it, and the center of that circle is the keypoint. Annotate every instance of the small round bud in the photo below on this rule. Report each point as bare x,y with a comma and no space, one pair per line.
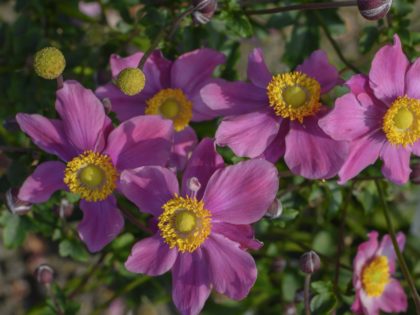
415,174
131,81
15,205
290,309
309,262
44,274
49,63
374,9
204,10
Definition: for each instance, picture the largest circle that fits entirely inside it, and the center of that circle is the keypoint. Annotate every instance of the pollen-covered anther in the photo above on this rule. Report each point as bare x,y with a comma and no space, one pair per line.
91,175
49,63
131,81
294,95
172,104
375,276
184,223
402,121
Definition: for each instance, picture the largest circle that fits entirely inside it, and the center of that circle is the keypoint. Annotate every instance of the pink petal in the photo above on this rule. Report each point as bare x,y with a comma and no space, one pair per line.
140,141
233,98
44,181
182,147
359,83
317,66
370,305
48,134
248,134
232,270
203,163
387,73
365,252
149,187
357,306
242,234
192,69
200,110
311,153
351,119
416,148
151,256
277,147
119,63
362,153
190,282
258,72
241,193
102,222
83,116
393,299
396,165
387,249
412,82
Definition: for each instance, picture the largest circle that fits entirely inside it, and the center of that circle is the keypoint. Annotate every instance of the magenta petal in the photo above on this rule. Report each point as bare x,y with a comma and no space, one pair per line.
182,147
44,181
311,153
151,256
349,119
365,252
258,72
412,80
140,141
48,134
387,79
203,163
242,234
362,153
102,222
83,116
387,249
233,98
393,299
370,305
357,307
248,134
119,63
396,165
241,193
358,83
191,70
317,66
149,187
277,147
232,270
190,282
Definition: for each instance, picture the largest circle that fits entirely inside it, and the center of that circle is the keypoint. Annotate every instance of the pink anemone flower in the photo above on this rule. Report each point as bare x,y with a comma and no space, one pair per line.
375,287
203,228
94,155
172,90
380,116
275,116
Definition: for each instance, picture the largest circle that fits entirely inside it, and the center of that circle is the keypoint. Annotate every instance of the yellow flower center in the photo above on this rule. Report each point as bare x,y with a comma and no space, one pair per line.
171,104
294,95
375,276
402,121
184,223
91,175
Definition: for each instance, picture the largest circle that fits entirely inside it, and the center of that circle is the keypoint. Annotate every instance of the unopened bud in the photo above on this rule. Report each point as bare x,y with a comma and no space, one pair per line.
193,184
374,9
131,81
15,205
275,210
309,262
415,174
49,63
204,10
290,309
44,274
107,105
65,208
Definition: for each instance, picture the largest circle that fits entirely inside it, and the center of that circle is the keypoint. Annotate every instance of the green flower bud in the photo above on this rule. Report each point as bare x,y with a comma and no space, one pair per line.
49,63
131,81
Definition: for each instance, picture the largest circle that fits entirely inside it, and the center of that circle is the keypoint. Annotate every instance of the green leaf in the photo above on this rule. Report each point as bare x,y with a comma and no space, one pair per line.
73,249
15,230
369,37
325,300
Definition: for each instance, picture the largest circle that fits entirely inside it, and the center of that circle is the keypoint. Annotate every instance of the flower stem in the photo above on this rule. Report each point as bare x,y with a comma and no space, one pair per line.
401,260
127,213
305,6
306,294
164,32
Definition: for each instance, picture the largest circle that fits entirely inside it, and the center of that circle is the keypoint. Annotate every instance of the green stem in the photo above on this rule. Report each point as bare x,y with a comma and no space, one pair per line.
306,294
401,260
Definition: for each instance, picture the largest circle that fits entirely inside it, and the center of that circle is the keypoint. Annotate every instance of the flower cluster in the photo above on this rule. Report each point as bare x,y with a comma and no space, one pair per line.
202,224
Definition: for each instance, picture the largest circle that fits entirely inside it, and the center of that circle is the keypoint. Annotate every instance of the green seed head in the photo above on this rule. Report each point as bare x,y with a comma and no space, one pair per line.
131,81
49,63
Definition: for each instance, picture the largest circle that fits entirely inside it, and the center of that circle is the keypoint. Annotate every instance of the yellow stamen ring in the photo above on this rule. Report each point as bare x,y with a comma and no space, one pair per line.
184,223
171,104
401,122
294,95
375,276
91,175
